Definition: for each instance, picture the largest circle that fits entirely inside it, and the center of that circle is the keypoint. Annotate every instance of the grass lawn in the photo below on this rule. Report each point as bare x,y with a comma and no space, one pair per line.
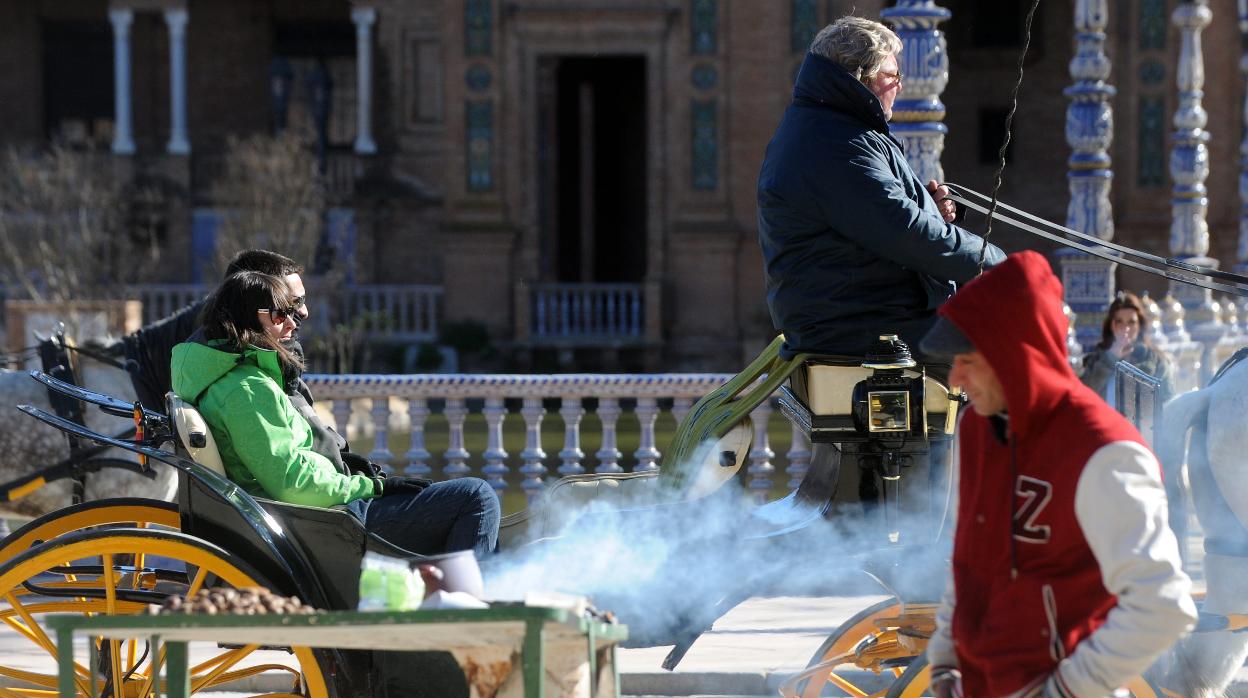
628,437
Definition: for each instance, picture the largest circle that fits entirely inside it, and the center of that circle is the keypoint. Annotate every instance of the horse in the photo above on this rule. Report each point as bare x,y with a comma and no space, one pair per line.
1204,663
27,446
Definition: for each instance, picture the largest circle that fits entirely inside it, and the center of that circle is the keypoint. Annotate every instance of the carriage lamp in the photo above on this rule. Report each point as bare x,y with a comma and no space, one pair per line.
888,402
889,406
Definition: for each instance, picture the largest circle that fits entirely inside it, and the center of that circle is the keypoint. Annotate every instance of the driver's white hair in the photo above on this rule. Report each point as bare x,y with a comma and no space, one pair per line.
858,45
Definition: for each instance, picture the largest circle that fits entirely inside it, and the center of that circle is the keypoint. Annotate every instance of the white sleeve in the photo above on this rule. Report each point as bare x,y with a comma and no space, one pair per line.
940,651
1120,504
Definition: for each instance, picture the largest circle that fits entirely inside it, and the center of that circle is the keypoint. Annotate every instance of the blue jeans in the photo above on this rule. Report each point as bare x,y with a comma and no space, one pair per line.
445,517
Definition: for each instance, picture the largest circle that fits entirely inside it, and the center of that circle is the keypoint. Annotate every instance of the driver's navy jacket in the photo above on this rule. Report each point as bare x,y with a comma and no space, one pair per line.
852,242
266,445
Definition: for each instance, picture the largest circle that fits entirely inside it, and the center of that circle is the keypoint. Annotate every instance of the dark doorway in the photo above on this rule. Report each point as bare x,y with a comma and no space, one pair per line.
595,172
78,81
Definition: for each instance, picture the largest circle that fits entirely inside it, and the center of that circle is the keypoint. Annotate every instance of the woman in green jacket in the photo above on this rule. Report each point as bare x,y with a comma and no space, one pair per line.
234,370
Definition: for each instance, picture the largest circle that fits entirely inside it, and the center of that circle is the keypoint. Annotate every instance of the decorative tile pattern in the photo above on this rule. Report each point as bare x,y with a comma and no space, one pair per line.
480,144
703,20
704,76
478,27
1152,71
1151,141
478,77
704,170
1153,25
804,26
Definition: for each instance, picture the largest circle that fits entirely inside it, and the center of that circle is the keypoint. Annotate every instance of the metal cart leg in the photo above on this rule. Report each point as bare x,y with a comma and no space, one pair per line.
533,659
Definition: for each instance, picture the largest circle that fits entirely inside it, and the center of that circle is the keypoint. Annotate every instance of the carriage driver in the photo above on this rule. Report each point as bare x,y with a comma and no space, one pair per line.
1066,579
854,245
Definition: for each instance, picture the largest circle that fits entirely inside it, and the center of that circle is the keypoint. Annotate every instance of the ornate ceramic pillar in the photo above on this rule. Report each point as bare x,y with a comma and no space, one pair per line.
364,17
918,113
123,138
1189,166
1242,252
1088,280
176,20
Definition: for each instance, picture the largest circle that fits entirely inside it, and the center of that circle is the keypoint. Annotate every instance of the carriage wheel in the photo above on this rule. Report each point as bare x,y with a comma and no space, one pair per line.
841,644
80,573
913,682
132,512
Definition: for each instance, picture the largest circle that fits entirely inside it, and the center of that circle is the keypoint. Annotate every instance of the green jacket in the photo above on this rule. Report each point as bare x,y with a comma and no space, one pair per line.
265,444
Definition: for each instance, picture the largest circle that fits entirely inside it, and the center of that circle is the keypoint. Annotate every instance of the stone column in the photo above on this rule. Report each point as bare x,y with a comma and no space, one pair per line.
364,17
176,20
1088,280
123,138
1189,166
918,113
1242,252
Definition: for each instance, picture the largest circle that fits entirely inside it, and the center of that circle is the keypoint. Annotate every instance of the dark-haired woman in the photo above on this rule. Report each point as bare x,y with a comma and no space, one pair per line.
1125,337
233,370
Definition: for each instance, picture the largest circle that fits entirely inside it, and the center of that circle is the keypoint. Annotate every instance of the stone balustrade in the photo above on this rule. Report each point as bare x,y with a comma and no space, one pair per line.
406,402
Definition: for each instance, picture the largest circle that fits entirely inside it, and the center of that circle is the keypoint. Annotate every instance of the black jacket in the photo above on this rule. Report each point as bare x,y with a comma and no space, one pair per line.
854,246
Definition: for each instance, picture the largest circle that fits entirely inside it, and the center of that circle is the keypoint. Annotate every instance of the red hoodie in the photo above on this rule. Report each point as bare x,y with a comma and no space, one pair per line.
1029,588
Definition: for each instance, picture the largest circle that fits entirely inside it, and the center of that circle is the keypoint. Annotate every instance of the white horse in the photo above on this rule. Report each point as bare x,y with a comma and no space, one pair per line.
1204,663
28,445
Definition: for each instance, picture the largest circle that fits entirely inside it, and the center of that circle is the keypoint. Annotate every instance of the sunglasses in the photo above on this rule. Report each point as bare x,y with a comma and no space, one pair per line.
279,315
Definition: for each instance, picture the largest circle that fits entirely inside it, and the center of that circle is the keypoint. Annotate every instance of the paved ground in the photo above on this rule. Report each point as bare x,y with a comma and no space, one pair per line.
749,653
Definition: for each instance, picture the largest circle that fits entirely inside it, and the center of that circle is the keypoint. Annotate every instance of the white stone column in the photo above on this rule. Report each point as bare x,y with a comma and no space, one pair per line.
176,21
364,17
123,138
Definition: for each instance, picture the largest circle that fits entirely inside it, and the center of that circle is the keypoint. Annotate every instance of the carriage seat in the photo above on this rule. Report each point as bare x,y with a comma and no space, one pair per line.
194,434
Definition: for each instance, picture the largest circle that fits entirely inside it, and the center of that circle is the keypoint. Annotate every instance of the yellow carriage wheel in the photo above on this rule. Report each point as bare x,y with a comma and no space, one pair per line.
841,644
80,573
914,682
127,511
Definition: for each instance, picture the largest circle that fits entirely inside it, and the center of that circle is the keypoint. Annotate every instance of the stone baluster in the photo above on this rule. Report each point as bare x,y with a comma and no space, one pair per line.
1172,320
381,454
1230,317
341,409
123,133
364,17
799,458
609,455
456,455
918,114
1156,324
418,455
761,469
533,469
175,20
1189,166
1241,255
1074,350
570,455
647,452
495,455
1089,280
680,408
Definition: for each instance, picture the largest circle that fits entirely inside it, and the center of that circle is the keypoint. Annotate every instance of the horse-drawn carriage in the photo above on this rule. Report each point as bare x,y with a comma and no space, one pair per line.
119,555
878,423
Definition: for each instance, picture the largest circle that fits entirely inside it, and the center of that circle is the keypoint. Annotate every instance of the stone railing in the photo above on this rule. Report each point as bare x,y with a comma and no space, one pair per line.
406,312
404,403
585,312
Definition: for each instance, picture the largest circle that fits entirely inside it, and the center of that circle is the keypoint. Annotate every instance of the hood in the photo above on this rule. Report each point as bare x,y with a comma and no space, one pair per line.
822,81
1013,315
196,365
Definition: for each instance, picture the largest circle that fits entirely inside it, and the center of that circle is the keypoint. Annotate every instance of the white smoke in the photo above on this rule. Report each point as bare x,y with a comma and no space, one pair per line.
674,567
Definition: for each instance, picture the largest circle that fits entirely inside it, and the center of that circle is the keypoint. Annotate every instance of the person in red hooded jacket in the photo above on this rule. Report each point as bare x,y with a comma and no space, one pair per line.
1066,579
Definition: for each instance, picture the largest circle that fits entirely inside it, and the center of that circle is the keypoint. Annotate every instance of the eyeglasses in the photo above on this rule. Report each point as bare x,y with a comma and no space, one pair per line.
891,76
279,316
